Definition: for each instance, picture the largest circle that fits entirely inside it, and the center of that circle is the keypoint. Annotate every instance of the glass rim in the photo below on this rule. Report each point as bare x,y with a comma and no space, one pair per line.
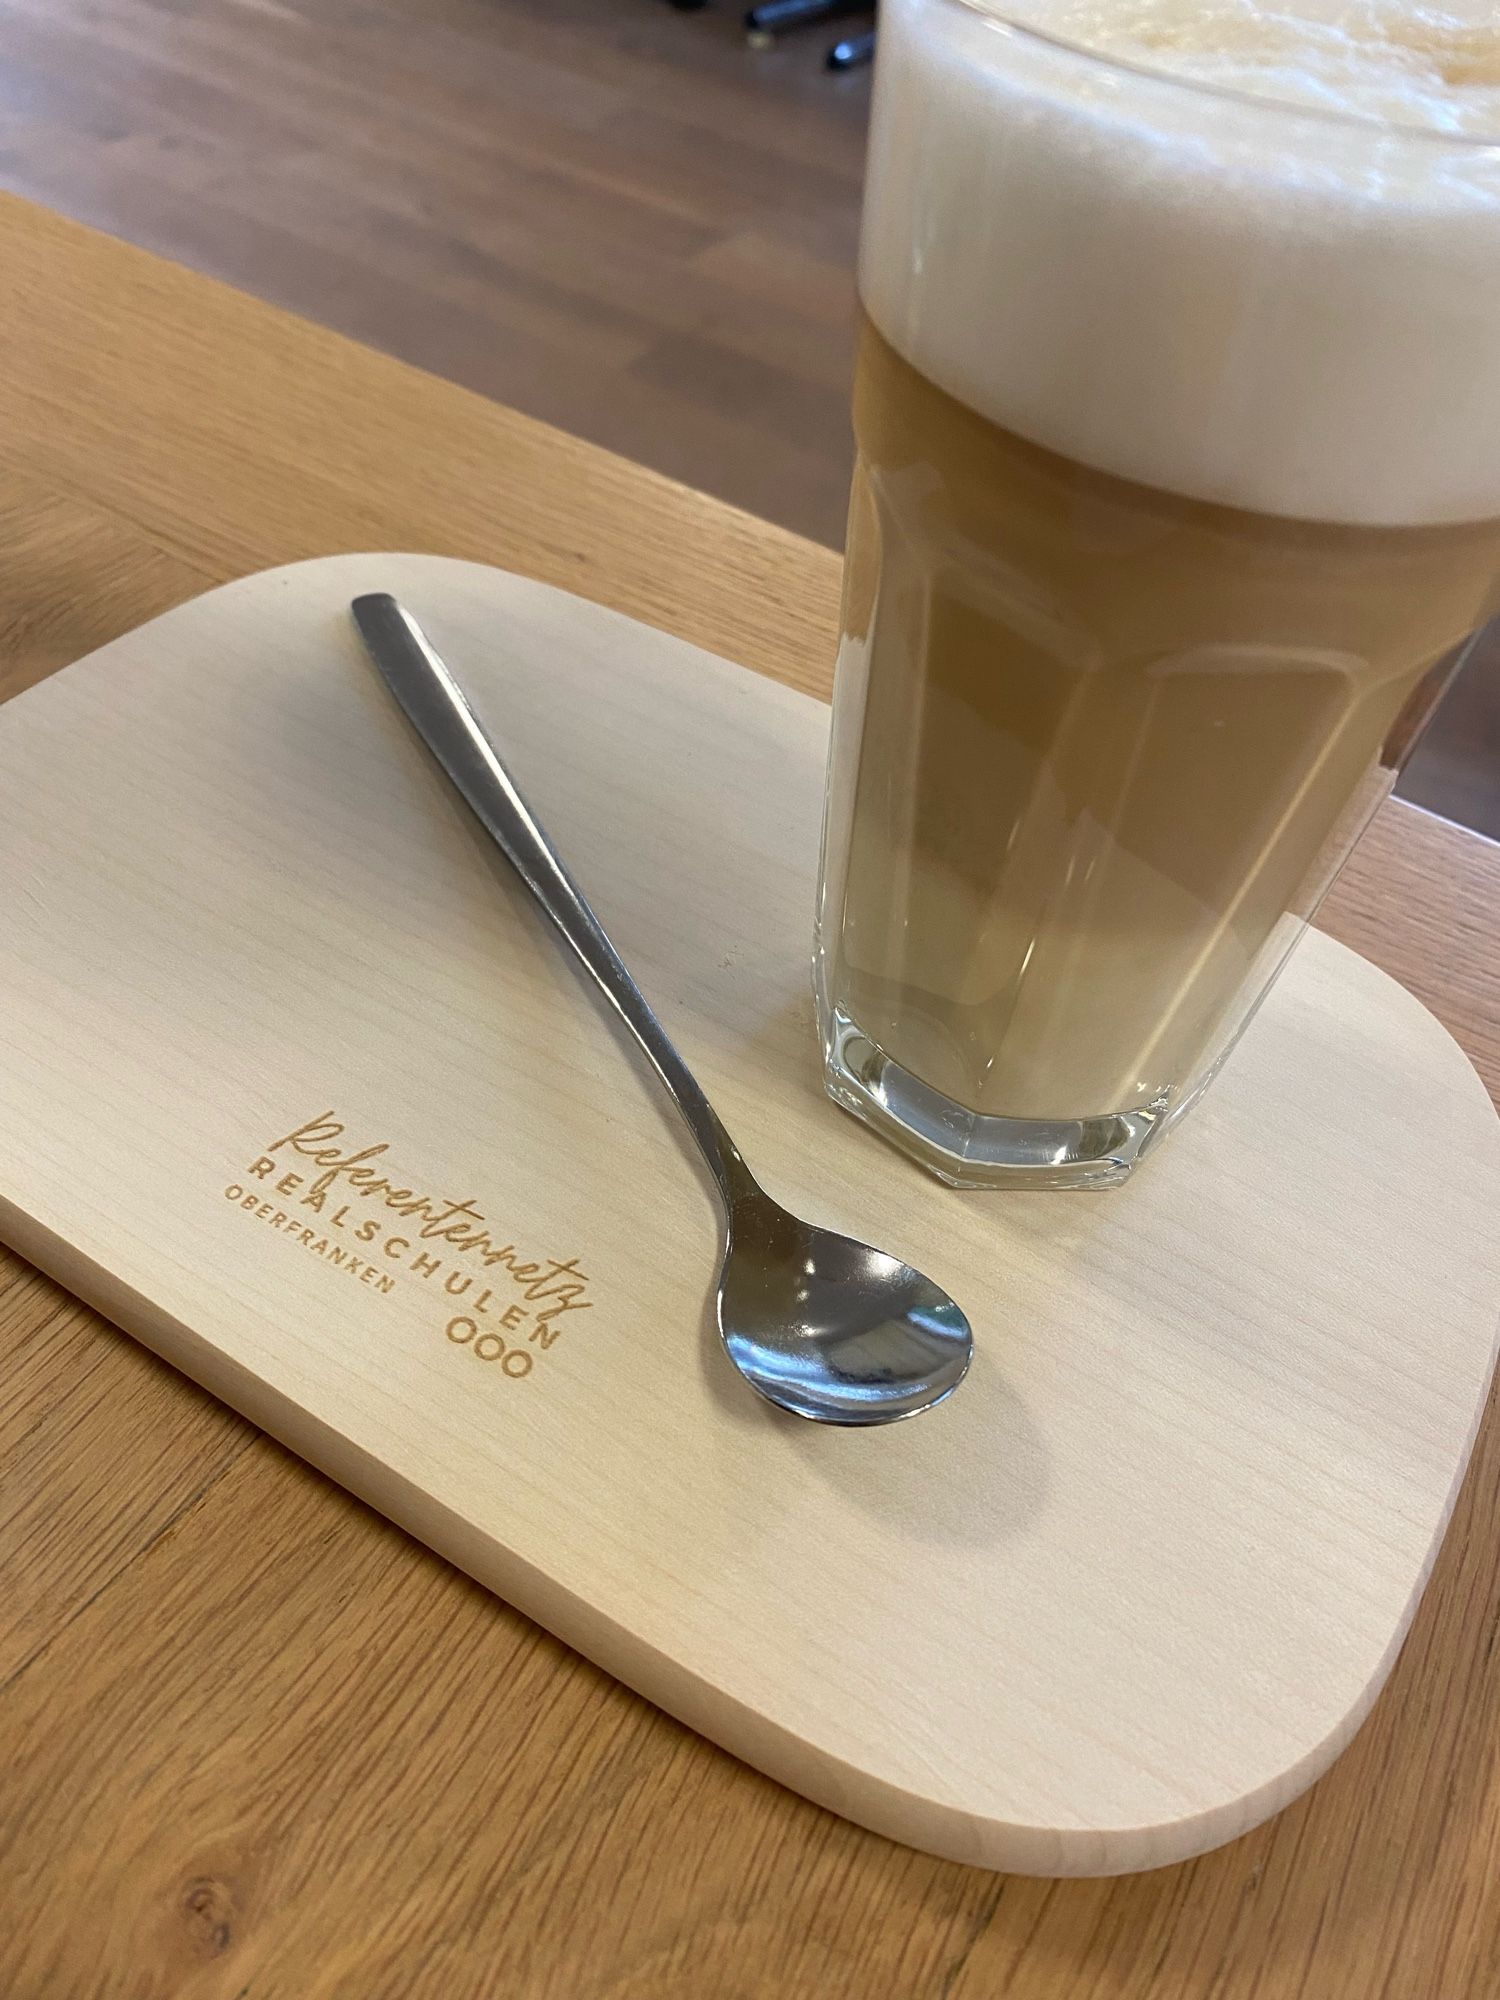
1317,114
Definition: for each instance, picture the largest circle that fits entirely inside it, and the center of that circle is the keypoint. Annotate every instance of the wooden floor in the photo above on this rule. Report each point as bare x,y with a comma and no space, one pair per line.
608,213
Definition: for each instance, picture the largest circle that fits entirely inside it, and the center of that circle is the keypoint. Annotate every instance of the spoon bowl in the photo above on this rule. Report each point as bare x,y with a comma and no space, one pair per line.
832,1329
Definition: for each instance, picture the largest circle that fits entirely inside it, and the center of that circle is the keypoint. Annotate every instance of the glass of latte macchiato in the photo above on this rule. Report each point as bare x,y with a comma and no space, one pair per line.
1177,499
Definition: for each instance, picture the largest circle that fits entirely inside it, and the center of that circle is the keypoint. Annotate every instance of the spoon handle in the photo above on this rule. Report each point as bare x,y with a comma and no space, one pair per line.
439,711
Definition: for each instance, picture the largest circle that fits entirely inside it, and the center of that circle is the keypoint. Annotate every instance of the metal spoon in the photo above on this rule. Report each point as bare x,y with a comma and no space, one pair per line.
822,1326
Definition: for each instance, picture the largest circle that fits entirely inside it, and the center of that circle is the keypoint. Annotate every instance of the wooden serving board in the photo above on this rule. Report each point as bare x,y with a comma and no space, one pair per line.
296,1087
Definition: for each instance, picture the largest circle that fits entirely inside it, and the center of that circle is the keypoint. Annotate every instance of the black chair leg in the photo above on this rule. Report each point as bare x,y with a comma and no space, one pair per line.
852,51
772,16
769,17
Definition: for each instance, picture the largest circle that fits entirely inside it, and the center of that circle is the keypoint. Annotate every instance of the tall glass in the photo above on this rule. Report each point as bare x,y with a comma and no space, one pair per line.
1177,496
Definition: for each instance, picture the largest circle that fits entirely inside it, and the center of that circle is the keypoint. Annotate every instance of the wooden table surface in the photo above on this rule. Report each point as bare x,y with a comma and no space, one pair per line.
256,1743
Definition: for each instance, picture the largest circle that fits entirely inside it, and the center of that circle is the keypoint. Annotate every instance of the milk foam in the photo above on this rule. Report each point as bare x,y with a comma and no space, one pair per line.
1225,291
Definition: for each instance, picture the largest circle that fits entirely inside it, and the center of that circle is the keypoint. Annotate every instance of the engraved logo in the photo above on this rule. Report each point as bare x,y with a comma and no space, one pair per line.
347,1206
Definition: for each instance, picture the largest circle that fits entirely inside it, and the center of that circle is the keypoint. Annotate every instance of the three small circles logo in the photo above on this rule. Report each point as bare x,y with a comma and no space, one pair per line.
516,1361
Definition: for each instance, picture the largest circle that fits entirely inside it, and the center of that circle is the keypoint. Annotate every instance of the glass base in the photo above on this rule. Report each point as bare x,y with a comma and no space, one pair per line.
968,1149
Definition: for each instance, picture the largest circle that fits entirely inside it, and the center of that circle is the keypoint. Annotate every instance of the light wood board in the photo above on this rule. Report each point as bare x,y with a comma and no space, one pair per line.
1125,1596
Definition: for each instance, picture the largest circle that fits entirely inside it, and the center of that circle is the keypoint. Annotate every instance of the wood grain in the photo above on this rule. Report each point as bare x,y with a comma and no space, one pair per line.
1201,1480
277,1750
616,219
